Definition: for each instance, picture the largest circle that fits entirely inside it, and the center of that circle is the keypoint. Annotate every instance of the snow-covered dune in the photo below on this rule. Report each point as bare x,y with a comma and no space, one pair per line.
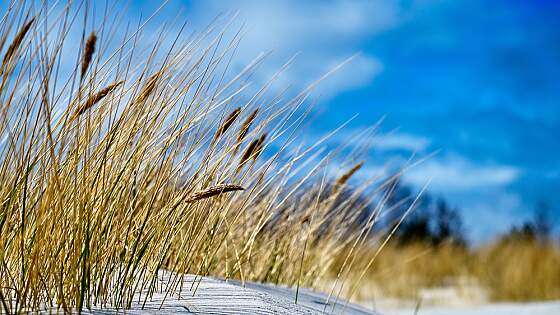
214,296
540,308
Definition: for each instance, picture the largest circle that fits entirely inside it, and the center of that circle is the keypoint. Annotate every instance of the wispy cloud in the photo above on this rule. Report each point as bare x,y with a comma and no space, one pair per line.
402,141
322,33
454,173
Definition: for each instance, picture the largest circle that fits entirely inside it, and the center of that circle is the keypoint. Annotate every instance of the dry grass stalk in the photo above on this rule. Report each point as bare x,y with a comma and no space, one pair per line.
213,191
88,53
18,39
95,98
148,87
341,181
230,119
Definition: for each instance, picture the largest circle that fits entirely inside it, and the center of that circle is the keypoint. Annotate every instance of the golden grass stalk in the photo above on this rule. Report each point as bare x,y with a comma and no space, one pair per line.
253,151
213,191
89,50
95,98
148,87
230,119
341,181
18,39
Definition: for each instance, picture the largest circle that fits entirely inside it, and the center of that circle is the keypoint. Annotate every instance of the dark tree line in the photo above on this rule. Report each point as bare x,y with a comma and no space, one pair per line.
538,228
435,222
430,220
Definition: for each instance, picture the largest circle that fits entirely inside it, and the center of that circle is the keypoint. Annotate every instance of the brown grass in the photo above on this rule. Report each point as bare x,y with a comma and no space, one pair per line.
148,87
341,181
91,210
230,119
252,151
246,125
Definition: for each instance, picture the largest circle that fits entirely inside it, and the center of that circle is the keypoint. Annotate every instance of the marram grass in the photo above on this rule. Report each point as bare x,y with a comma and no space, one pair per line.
125,162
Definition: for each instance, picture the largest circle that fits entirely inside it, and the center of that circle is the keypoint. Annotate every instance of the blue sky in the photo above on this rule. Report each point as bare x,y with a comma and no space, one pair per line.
477,80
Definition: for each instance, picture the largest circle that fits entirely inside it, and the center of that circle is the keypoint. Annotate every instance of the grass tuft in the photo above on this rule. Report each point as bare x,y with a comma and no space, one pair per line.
92,209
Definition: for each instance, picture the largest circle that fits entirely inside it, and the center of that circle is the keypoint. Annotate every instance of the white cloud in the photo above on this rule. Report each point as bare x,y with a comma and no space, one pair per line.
322,33
483,220
470,185
380,142
402,141
456,173
359,72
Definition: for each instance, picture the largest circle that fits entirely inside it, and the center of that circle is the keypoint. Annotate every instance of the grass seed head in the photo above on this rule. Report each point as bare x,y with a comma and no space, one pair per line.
246,125
227,123
212,191
245,129
259,147
95,98
18,39
89,50
253,151
341,181
148,87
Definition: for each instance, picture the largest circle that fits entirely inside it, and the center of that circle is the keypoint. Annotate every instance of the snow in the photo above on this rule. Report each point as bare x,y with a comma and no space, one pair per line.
540,308
214,296
205,295
468,299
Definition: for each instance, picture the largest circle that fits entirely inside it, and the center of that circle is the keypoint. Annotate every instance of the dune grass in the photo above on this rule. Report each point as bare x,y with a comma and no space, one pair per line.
119,158
513,270
520,270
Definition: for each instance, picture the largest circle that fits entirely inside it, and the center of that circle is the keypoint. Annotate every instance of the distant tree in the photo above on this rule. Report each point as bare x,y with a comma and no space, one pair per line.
525,231
537,228
542,221
428,222
448,226
415,228
416,225
399,199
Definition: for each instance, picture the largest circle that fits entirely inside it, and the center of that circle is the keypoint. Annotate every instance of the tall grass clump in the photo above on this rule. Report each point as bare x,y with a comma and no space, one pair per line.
519,270
123,154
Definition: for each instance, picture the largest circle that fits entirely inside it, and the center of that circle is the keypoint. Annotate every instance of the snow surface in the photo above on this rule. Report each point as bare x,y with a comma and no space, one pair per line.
213,296
541,308
204,295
